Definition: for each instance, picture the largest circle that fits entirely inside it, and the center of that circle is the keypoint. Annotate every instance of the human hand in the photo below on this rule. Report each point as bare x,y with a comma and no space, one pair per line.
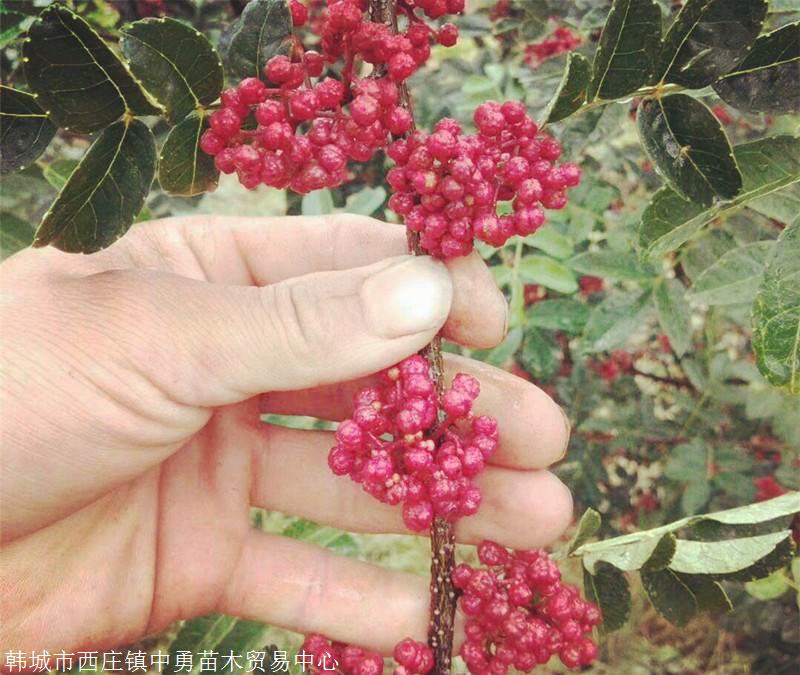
132,383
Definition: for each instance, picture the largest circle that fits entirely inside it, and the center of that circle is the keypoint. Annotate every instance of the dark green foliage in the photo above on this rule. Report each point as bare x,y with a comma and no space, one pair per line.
25,130
104,193
80,82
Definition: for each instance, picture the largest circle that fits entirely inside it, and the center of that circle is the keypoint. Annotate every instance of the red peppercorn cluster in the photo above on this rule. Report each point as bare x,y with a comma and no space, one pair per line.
386,446
413,658
561,40
447,185
520,613
305,133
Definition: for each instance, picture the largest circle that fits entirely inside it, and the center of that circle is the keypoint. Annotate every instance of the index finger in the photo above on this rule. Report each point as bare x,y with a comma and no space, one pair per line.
263,251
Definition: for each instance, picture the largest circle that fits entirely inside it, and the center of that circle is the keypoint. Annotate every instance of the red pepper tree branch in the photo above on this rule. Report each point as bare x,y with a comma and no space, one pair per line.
443,543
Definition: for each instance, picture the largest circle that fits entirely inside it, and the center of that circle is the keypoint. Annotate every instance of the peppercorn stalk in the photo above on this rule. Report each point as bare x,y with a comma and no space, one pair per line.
443,543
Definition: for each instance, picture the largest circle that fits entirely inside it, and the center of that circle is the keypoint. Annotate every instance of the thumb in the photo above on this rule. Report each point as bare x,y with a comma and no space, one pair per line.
228,343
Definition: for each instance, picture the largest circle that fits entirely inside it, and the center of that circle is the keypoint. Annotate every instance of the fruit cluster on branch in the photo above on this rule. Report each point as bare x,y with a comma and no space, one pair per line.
299,134
387,446
448,184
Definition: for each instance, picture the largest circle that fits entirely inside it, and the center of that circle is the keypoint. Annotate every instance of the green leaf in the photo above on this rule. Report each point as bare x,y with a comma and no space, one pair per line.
540,354
15,234
57,173
687,461
263,30
366,201
564,314
654,552
768,588
762,512
25,131
674,314
766,81
627,49
695,495
669,595
735,277
175,63
776,314
608,264
588,526
608,589
79,81
708,593
12,25
183,168
215,633
104,193
738,485
724,557
707,39
612,322
551,241
317,203
571,92
548,272
767,165
686,142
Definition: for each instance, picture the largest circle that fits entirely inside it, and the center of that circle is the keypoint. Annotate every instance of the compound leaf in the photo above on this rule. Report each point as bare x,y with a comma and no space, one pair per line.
183,168
104,193
79,81
767,80
175,62
25,130
707,39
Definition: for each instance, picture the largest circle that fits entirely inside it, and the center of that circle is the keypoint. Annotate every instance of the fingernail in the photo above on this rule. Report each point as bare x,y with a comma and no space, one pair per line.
407,297
568,427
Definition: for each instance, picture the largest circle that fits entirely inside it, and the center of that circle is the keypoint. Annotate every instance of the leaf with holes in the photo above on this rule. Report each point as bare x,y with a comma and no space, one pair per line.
776,314
104,193
688,145
263,30
767,80
175,63
79,81
707,39
767,165
571,92
183,168
627,49
735,277
25,130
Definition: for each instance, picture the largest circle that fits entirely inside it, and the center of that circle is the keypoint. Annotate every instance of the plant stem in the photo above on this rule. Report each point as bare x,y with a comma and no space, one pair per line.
443,541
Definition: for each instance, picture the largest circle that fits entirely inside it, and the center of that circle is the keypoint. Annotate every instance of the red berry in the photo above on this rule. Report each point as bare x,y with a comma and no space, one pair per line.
278,69
299,13
225,122
447,35
211,143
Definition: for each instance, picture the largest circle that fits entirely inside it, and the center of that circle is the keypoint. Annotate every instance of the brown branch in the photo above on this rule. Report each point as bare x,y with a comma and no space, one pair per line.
443,542
673,381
